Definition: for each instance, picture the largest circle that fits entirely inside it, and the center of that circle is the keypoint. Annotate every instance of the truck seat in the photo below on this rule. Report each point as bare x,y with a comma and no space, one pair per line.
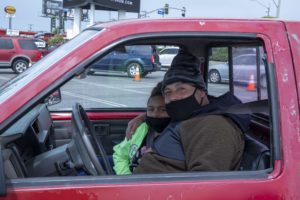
256,155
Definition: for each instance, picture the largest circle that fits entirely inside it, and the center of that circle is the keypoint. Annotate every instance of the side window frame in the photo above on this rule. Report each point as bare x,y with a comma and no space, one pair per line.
7,44
231,71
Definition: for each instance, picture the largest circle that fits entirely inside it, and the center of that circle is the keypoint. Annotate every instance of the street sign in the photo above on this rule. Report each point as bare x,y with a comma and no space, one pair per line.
160,12
126,5
10,10
12,32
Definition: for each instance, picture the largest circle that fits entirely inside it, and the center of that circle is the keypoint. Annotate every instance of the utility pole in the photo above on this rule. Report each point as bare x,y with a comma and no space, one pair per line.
263,5
30,27
277,5
53,24
61,21
9,21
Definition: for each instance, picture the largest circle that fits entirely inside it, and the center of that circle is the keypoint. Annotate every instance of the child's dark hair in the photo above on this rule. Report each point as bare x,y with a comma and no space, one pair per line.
156,91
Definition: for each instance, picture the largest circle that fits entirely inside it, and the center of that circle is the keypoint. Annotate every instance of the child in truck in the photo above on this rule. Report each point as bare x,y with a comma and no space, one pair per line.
127,154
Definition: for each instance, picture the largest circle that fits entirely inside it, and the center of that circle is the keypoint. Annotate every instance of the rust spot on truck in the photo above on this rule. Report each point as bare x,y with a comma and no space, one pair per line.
278,48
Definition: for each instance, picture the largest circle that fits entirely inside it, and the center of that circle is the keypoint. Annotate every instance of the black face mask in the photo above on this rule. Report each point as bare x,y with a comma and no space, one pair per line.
158,124
182,109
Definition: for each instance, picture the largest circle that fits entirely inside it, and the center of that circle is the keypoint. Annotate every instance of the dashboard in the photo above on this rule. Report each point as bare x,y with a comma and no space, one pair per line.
25,139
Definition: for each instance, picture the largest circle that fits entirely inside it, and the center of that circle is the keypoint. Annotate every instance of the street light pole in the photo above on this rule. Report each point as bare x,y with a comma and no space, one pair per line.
277,7
30,27
268,11
263,5
9,16
9,22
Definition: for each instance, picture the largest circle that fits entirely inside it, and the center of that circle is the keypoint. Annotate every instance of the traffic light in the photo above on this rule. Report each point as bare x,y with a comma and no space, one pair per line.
183,12
166,9
65,14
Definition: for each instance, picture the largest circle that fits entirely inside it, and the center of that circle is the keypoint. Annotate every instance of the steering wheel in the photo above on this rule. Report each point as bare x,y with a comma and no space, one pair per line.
83,128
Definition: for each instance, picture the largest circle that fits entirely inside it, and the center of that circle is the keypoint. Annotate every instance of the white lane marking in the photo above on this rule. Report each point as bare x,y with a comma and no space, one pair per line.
136,86
4,78
112,87
94,99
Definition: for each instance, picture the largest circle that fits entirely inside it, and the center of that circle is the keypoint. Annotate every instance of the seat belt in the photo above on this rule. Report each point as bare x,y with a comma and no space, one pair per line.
243,108
248,108
150,138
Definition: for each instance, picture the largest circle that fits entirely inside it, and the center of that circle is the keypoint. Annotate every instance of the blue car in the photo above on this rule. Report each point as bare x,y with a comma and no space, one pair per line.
126,59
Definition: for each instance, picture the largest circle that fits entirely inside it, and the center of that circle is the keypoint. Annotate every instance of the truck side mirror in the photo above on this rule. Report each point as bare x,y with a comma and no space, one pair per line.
54,98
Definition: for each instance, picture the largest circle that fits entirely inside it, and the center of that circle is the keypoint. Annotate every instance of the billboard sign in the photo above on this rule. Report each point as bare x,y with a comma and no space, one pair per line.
126,5
52,8
74,3
12,32
10,10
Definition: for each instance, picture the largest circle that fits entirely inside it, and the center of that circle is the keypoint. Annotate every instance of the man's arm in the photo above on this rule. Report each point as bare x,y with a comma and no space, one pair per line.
134,124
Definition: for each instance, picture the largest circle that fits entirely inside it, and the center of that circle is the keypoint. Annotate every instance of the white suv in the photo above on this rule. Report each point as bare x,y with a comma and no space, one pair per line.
166,56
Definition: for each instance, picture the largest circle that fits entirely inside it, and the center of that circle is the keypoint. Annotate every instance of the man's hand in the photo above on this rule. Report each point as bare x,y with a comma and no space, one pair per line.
133,124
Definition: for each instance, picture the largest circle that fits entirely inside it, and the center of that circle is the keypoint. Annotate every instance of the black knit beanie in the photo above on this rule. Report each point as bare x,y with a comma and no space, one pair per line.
184,68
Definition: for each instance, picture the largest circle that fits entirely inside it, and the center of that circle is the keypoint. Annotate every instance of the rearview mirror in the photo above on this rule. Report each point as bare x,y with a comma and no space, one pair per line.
120,49
83,74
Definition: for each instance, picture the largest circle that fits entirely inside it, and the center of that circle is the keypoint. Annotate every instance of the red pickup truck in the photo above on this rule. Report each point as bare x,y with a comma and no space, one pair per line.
45,146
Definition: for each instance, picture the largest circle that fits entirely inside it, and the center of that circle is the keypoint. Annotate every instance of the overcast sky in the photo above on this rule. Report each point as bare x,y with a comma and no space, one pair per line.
29,11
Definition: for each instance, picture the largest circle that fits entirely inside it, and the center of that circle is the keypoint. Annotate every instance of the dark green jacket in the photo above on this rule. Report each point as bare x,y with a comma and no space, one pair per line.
209,143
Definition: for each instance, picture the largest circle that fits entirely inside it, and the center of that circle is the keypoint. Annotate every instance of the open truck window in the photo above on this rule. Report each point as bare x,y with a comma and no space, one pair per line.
241,70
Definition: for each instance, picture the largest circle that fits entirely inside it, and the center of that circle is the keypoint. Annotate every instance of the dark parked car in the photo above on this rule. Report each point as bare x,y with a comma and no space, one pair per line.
127,58
18,53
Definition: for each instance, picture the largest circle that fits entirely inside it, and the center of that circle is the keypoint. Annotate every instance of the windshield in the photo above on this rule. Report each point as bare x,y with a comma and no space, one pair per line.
24,78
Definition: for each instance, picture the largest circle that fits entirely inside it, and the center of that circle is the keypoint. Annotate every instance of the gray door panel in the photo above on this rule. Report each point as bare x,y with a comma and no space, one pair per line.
109,132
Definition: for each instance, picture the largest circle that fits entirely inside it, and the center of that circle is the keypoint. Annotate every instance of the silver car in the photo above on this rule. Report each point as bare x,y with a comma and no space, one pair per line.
244,66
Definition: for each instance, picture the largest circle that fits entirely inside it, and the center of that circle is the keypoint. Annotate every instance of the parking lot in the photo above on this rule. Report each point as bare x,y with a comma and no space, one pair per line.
119,91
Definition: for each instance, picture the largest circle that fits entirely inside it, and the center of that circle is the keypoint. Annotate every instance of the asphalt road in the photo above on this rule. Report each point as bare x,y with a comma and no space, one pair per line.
5,75
110,91
119,91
